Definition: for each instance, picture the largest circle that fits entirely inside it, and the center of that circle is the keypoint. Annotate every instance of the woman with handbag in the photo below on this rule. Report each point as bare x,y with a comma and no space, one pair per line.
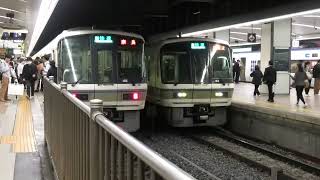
307,69
301,81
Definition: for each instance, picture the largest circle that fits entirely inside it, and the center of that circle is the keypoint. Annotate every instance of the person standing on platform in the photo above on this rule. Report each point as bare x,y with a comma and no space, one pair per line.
29,75
256,79
299,78
236,68
316,76
52,71
270,78
307,69
6,71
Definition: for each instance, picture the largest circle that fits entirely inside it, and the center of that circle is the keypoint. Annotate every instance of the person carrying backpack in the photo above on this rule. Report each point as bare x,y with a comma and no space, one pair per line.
29,74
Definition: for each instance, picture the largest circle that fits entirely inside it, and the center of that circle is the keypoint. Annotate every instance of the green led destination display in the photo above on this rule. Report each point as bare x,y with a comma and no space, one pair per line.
198,45
103,39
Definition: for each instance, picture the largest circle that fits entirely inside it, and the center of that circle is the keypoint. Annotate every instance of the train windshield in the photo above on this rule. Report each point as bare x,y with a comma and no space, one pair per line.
105,59
130,65
75,65
195,62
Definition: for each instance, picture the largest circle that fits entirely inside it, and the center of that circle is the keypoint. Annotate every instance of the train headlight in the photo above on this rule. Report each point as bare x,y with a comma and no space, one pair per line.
181,94
219,94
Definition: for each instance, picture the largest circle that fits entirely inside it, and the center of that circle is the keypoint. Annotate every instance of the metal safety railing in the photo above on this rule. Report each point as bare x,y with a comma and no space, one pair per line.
84,145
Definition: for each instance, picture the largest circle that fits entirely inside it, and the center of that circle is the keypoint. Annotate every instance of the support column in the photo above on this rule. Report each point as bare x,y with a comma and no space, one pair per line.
223,35
276,46
281,54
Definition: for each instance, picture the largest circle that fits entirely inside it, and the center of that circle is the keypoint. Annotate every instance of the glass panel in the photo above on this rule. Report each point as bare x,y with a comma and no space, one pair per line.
220,61
200,65
76,60
105,67
130,66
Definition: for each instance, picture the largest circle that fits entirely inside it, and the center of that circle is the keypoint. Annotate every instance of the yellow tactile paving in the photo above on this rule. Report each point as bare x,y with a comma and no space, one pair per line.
22,139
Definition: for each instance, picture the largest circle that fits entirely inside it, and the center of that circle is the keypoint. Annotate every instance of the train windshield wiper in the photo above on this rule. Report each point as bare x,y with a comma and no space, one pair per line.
77,82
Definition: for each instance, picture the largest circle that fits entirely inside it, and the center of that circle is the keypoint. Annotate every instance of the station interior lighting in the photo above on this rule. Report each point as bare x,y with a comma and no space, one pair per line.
238,39
45,11
242,33
306,25
250,23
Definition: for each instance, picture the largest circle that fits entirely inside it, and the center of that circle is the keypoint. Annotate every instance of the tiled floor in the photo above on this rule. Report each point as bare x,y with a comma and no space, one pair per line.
244,93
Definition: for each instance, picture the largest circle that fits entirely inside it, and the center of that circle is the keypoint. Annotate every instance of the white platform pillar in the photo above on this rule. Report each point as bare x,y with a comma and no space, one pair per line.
223,35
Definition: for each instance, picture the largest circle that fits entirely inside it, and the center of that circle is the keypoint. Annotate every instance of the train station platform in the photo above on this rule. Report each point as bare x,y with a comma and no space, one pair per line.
243,96
22,152
281,123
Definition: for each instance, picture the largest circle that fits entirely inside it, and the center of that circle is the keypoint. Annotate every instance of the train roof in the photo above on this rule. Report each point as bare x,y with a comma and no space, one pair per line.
184,39
78,32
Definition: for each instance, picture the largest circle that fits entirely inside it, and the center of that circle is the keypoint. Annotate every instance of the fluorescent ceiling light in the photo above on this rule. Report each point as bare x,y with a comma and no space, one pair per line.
239,39
244,44
8,9
254,28
5,17
305,25
307,38
312,16
242,33
45,11
249,23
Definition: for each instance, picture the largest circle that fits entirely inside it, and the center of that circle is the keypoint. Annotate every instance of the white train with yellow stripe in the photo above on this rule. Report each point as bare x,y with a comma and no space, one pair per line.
106,65
190,81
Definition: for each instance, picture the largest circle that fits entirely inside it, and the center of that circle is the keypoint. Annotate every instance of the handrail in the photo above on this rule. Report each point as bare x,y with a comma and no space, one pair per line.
84,144
159,164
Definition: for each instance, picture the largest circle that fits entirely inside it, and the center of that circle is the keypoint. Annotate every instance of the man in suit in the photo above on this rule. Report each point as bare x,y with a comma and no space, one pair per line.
270,78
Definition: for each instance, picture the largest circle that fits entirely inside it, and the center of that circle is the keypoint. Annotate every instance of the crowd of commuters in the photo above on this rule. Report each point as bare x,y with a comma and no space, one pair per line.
302,79
25,71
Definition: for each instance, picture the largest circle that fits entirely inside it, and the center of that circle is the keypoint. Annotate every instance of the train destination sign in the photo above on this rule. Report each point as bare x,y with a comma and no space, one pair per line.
103,39
198,45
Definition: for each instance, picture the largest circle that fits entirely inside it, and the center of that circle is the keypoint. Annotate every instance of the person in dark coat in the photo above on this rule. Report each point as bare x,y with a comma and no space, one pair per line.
299,78
29,74
52,71
256,79
236,69
270,78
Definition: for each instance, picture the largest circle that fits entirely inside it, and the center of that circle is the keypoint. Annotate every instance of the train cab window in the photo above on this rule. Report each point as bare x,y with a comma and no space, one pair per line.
76,64
220,60
105,67
130,66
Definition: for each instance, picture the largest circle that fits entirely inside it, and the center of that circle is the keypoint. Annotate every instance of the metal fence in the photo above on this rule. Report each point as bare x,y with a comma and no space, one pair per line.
85,145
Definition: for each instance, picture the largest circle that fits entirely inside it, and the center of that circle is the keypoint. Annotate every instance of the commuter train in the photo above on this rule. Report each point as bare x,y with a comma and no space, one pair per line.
190,81
106,65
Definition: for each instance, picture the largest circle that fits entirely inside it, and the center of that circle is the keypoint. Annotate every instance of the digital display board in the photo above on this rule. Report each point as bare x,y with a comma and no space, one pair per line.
103,39
198,45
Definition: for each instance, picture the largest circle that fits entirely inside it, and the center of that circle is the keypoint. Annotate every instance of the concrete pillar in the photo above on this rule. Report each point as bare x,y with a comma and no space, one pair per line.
281,54
223,35
276,46
266,45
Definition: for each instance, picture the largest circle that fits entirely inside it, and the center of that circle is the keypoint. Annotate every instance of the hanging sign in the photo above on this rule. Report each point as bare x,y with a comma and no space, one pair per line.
252,37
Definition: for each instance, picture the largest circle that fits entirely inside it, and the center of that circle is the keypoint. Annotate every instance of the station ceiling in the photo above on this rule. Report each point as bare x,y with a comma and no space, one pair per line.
147,17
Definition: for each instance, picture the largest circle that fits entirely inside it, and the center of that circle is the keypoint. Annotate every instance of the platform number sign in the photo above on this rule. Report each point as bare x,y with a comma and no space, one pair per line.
252,37
103,39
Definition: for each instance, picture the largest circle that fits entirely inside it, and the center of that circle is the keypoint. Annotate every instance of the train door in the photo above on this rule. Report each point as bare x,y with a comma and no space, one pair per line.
104,73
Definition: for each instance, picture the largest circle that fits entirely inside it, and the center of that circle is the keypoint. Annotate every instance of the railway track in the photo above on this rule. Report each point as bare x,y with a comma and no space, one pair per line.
278,165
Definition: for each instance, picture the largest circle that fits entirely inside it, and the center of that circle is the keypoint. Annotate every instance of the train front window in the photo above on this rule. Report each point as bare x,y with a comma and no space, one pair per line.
130,65
200,64
105,68
76,60
220,60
